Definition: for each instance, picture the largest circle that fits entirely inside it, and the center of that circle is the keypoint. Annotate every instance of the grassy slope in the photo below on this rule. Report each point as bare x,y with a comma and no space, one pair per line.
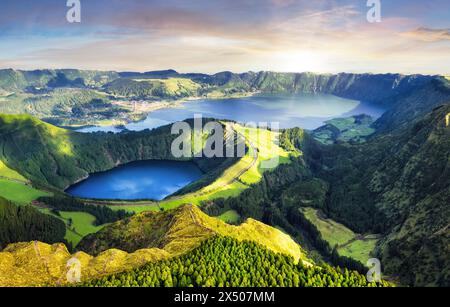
349,244
18,192
7,172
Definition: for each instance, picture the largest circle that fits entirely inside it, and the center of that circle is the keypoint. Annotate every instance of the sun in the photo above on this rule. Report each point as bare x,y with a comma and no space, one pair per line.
300,61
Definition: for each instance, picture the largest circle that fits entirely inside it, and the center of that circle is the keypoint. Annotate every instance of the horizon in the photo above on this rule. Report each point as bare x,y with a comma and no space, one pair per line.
227,71
327,36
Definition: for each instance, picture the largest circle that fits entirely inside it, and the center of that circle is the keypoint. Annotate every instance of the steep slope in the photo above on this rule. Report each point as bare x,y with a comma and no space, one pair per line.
396,185
148,237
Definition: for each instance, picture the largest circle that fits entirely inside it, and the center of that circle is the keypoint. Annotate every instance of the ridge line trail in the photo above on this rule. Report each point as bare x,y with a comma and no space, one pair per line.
235,177
255,154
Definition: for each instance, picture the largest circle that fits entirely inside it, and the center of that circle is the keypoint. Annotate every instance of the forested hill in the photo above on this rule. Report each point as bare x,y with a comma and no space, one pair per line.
226,262
51,156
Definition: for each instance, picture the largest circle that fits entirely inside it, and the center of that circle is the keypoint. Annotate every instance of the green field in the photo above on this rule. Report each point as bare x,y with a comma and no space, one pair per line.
349,243
230,216
359,249
82,224
19,193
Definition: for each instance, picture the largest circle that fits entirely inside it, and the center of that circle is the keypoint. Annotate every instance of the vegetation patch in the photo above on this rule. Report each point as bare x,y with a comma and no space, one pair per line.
226,262
6,172
354,129
348,243
78,224
230,216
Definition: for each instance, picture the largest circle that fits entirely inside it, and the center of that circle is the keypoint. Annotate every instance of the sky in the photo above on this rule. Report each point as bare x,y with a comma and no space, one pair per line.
209,36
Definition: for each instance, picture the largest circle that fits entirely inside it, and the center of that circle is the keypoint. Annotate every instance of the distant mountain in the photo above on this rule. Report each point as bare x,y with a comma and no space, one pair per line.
18,80
65,96
157,74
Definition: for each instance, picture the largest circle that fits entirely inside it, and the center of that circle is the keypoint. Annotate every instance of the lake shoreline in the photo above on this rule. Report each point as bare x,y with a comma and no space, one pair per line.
155,106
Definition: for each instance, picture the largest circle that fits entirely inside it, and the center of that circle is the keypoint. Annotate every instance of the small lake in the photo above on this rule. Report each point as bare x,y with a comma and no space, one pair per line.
138,180
306,111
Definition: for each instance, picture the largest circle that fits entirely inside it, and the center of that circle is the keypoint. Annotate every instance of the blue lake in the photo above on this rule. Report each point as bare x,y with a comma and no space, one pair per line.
305,111
138,180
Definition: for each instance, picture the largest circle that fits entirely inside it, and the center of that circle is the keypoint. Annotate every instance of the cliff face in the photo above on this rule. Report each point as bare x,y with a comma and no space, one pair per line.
368,87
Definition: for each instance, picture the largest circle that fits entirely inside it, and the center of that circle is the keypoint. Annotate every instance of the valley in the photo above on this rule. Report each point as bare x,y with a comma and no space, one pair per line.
347,243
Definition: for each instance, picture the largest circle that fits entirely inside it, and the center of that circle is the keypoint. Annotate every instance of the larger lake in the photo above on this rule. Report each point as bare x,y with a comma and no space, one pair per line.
305,111
138,180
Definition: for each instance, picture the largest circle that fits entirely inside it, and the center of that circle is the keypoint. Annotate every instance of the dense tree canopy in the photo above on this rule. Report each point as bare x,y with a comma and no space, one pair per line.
25,223
226,262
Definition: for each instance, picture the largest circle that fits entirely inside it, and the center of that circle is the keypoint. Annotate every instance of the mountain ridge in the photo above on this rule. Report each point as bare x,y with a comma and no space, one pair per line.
40,264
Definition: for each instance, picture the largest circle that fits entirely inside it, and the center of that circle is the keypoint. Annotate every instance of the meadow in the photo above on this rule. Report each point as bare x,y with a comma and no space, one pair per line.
348,243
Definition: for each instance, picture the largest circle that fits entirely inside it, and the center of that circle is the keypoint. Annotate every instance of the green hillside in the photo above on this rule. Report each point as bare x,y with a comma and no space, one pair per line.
170,88
347,243
55,157
397,184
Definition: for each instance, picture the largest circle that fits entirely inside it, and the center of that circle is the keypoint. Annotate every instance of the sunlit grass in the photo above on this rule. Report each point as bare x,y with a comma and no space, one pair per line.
173,86
19,193
7,172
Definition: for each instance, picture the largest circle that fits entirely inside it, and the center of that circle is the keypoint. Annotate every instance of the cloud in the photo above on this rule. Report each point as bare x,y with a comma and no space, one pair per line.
429,35
209,36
